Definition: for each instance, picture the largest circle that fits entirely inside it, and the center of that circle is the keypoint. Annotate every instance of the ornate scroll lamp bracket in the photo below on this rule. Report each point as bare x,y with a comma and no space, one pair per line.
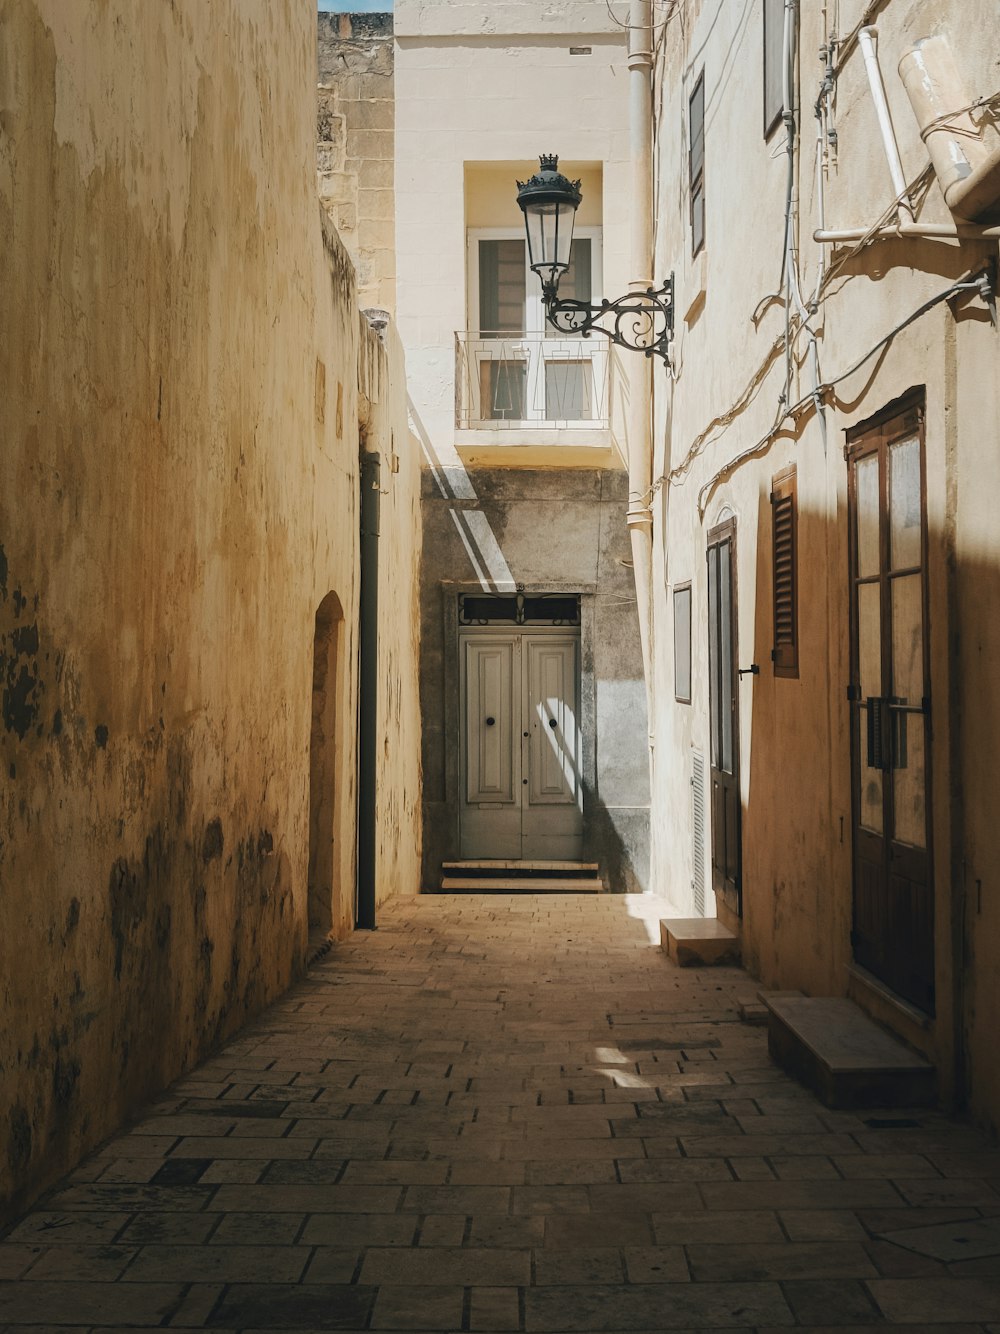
640,321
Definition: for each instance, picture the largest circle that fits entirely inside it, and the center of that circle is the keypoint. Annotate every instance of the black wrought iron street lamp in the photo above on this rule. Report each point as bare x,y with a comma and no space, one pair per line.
640,321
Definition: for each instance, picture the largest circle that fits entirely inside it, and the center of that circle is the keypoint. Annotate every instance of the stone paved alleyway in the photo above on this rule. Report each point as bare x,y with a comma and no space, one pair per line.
512,1114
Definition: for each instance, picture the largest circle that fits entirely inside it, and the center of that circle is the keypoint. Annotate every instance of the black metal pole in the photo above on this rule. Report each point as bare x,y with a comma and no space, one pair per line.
368,689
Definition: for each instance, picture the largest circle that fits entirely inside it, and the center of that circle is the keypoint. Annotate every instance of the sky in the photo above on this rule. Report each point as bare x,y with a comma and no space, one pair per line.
357,6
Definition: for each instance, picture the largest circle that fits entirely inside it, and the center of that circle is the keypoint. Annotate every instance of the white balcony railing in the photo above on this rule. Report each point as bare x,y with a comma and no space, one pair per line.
516,381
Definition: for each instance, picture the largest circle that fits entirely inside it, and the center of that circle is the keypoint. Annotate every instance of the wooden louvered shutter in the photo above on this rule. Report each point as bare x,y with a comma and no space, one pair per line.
784,565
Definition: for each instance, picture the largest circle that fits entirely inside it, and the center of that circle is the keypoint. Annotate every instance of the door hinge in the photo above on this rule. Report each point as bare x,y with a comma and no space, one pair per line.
855,939
853,693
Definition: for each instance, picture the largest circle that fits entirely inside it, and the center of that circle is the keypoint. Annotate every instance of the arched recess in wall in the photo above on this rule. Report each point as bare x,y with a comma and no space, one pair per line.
323,763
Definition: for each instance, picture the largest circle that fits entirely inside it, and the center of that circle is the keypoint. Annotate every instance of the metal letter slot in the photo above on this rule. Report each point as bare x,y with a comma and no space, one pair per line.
876,741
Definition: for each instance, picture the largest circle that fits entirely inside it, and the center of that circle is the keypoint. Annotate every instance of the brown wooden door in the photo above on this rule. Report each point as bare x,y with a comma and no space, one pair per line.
893,934
725,767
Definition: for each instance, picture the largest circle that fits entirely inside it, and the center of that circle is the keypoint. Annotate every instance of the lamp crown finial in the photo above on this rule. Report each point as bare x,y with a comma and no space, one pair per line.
549,162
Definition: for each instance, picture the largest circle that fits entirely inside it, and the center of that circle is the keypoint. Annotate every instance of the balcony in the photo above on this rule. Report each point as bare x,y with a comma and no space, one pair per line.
532,389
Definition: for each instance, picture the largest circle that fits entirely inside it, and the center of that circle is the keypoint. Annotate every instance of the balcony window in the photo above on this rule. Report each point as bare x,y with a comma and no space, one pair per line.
513,370
569,393
502,384
502,292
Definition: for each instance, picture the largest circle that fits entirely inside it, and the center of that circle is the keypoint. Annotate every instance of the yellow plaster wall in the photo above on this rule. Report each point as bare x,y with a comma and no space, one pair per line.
178,492
491,192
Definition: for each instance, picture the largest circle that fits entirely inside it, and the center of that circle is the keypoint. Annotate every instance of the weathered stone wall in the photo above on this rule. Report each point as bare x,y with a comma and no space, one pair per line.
385,430
730,370
544,529
354,153
179,485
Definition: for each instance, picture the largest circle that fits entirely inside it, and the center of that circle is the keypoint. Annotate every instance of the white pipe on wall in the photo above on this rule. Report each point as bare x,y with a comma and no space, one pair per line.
866,40
639,369
966,155
931,230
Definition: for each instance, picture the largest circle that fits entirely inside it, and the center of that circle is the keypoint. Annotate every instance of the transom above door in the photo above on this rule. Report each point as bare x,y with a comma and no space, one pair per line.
520,744
519,370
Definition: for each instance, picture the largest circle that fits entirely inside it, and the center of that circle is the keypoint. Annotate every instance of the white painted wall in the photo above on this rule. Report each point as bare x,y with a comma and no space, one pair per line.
483,84
795,750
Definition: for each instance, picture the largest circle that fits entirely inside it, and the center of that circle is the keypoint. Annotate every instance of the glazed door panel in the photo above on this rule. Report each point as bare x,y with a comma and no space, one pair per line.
893,935
723,703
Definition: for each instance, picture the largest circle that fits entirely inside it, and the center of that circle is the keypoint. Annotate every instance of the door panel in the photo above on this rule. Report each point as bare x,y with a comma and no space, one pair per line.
552,819
490,820
893,933
490,721
551,721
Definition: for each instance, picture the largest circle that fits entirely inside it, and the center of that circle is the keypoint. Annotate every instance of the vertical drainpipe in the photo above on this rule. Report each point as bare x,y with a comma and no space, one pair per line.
639,368
368,689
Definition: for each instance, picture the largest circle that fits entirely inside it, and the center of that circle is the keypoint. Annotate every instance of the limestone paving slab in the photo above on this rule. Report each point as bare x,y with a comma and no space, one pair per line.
512,1114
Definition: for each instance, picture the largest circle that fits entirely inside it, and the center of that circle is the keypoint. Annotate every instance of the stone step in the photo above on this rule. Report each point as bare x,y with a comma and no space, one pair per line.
829,1044
694,942
527,884
754,1013
471,867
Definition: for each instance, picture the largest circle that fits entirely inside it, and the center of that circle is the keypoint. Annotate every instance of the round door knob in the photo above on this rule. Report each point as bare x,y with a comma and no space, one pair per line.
490,722
552,722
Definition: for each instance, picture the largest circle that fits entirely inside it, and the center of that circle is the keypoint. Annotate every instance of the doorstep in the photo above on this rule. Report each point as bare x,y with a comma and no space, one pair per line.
829,1044
697,942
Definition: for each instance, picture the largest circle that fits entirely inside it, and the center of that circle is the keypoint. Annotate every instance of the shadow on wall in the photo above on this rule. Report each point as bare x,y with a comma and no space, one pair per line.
323,747
797,806
604,843
477,536
798,817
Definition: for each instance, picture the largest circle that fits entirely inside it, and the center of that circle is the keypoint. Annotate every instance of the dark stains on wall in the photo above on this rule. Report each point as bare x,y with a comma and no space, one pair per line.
213,842
126,905
140,946
18,1138
20,674
72,919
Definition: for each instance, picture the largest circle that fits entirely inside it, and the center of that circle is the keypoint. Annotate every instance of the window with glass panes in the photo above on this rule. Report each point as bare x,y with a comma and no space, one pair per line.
547,375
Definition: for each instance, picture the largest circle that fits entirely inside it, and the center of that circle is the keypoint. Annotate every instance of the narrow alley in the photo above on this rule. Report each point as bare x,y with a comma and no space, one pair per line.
512,1113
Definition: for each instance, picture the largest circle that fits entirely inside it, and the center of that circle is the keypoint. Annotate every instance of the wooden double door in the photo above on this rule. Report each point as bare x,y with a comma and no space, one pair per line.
521,794
893,930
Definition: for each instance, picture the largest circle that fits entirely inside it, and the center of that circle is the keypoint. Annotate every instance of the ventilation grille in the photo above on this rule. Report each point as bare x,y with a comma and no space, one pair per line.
785,654
698,830
784,591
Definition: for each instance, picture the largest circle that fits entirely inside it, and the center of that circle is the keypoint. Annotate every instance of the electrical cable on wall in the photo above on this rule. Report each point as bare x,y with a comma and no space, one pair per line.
914,195
979,282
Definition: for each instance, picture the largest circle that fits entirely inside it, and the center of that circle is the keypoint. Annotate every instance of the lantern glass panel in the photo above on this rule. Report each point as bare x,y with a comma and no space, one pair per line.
550,237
